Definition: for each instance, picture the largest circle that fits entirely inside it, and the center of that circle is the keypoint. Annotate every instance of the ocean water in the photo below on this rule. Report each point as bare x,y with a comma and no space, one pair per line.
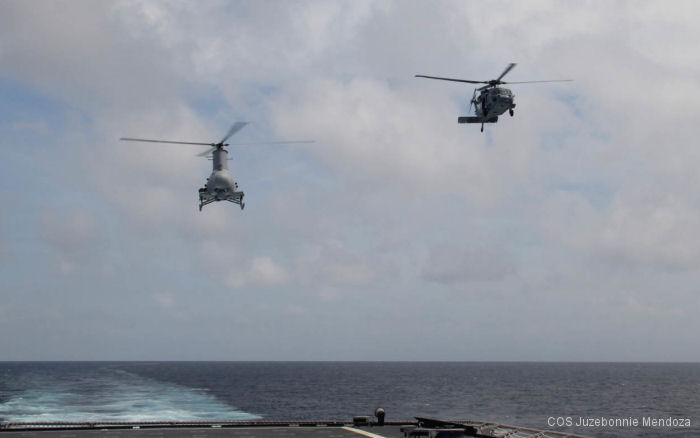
523,394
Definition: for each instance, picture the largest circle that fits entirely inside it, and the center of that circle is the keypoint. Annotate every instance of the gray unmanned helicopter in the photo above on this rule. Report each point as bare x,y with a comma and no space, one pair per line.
220,185
492,100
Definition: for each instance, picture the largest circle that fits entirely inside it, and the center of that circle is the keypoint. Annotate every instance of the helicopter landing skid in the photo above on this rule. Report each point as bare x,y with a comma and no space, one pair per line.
236,198
203,202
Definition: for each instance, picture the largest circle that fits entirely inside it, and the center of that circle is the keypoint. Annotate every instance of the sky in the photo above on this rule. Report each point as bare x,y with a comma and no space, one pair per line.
569,232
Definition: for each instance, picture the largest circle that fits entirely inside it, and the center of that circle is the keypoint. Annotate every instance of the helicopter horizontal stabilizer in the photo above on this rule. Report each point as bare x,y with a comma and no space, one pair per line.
474,119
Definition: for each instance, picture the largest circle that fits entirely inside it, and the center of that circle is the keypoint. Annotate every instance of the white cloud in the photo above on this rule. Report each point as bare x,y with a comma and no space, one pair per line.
333,265
264,271
164,300
379,138
294,309
395,200
451,265
74,235
261,272
640,226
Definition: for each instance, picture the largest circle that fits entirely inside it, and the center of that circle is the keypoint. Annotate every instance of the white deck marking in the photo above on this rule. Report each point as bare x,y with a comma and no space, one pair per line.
362,432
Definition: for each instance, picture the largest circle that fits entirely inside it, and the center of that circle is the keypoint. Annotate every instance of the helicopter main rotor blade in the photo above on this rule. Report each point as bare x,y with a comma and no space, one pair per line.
534,82
272,142
505,72
235,128
163,141
207,152
453,80
212,149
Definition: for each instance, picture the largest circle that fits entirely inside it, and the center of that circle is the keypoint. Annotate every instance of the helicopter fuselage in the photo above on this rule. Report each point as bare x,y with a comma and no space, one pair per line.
492,102
220,185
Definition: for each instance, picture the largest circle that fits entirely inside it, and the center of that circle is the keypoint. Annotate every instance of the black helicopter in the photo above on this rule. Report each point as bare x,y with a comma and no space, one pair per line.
492,100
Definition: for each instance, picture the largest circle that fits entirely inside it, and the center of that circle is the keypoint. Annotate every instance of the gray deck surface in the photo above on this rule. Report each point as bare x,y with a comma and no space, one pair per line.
208,432
305,430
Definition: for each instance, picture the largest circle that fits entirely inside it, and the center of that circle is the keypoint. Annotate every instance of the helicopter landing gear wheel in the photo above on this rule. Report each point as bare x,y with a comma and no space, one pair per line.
511,112
482,127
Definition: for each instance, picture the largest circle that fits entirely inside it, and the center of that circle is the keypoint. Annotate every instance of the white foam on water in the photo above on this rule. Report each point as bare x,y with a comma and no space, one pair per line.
110,395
